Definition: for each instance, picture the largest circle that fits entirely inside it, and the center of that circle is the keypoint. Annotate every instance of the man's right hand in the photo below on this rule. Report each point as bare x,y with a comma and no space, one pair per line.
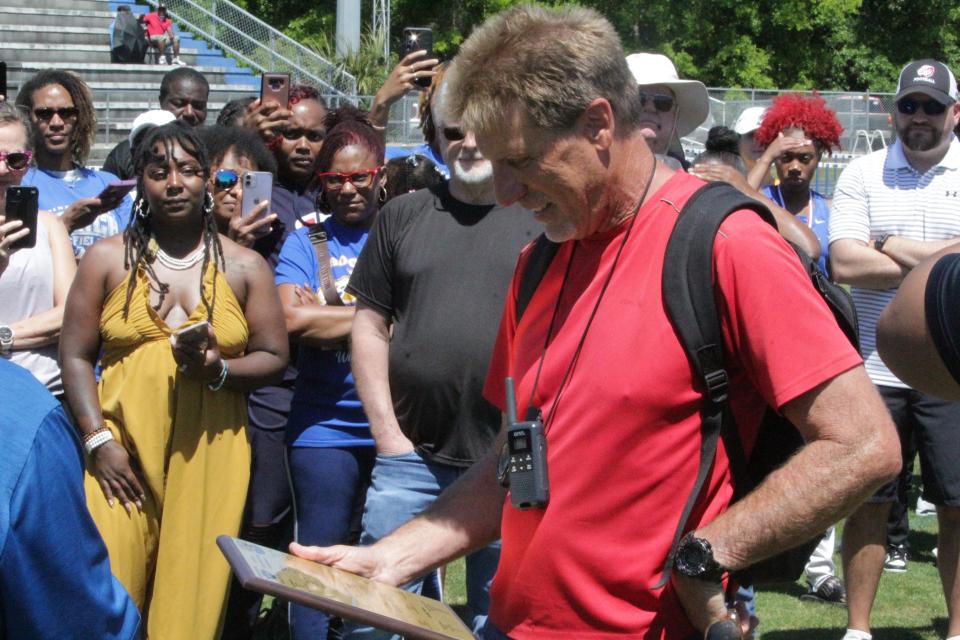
82,212
110,465
368,562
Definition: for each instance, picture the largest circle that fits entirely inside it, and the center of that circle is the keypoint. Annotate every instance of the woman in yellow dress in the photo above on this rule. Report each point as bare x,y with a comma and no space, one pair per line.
168,459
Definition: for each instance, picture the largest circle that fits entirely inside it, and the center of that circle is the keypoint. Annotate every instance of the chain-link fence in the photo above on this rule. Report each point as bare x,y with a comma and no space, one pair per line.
258,45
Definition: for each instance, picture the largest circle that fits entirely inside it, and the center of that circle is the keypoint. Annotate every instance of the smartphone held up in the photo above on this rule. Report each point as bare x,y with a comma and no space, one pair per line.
415,39
22,206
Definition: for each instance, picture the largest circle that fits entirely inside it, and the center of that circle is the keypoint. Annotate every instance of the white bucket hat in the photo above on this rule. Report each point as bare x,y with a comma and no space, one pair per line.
749,120
148,120
691,95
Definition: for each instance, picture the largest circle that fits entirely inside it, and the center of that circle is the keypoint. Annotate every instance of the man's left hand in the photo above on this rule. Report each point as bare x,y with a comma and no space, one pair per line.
705,604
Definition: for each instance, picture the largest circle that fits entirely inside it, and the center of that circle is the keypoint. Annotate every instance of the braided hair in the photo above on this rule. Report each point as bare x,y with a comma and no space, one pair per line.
137,236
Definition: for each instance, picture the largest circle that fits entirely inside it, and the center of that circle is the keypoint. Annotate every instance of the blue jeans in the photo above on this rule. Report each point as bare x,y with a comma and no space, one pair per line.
328,488
401,487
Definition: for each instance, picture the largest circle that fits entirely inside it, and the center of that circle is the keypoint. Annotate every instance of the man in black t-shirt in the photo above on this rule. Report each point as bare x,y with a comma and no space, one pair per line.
435,271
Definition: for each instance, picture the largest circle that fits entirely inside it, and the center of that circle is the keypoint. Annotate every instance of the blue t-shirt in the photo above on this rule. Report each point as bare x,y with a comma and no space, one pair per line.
55,579
59,189
325,411
821,215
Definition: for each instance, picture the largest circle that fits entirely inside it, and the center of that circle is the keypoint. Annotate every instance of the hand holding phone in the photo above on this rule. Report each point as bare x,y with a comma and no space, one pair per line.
416,39
195,337
114,192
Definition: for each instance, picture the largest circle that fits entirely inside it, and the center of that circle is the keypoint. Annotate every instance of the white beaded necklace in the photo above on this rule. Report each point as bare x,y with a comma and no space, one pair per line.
179,264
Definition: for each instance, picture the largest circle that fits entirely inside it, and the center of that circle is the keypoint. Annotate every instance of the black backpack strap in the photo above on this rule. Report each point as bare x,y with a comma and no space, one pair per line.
689,299
541,255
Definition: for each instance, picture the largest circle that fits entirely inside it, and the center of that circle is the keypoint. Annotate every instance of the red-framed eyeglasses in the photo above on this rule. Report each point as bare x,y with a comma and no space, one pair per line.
359,179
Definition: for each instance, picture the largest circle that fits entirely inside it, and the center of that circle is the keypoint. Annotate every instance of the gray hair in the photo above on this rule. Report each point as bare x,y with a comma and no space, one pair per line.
12,114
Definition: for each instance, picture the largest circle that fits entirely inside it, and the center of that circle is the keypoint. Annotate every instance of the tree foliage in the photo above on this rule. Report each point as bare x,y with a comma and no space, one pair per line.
801,44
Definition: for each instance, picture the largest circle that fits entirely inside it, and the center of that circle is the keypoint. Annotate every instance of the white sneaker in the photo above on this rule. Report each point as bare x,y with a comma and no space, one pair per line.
925,508
180,62
162,61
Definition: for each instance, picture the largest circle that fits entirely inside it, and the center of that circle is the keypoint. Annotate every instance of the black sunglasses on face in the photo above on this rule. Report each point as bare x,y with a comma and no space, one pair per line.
47,113
660,101
909,106
453,134
225,179
296,134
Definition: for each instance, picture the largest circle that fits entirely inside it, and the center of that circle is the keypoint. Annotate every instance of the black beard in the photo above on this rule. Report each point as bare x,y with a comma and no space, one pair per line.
923,144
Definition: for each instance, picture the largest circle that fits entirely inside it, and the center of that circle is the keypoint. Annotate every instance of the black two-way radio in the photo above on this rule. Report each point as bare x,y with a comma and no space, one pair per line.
527,456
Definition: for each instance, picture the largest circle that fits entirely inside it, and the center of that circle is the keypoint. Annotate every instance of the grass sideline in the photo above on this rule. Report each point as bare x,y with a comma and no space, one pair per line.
909,605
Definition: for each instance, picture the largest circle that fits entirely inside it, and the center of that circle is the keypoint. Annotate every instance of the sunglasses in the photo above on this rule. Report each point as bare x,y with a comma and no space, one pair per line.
909,106
334,181
661,102
453,134
47,113
225,179
16,160
296,134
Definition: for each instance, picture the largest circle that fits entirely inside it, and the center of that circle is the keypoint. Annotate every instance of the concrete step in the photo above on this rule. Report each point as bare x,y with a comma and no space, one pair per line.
82,36
134,74
79,5
56,17
125,112
70,55
13,33
124,93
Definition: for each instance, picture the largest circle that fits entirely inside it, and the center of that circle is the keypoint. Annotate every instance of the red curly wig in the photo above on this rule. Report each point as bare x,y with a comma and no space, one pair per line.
795,111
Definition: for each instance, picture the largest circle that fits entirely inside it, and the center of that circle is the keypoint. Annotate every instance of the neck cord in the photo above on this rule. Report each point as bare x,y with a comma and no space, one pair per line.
593,313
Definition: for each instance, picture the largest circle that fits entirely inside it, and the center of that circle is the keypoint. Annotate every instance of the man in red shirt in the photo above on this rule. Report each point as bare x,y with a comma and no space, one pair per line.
557,112
160,32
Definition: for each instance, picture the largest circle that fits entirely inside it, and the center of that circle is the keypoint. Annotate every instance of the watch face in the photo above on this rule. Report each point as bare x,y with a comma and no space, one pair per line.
6,334
691,559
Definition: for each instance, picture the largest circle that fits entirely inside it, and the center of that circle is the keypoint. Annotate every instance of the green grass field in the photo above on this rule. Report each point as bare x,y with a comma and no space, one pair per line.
909,605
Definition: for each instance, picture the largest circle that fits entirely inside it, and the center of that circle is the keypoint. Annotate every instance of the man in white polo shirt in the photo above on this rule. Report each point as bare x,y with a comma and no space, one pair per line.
892,209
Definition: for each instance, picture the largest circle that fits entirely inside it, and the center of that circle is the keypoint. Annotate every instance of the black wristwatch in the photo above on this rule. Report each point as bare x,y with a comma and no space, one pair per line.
879,242
694,559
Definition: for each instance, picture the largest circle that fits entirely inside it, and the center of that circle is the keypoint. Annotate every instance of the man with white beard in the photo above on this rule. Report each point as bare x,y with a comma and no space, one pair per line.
430,287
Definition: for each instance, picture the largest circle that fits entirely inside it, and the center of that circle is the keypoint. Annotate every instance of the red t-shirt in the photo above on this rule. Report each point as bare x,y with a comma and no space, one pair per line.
623,444
156,26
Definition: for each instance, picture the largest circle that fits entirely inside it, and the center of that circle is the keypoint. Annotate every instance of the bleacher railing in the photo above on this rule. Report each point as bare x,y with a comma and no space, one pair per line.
257,44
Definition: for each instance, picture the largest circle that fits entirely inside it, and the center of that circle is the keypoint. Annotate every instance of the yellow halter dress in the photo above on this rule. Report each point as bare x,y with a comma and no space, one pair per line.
189,447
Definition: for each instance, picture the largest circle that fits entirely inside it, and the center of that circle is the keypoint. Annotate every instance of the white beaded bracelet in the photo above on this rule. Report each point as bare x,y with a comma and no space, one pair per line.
91,444
217,384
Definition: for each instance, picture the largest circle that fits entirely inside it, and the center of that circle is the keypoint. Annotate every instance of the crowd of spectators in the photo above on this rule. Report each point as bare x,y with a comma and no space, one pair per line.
317,368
